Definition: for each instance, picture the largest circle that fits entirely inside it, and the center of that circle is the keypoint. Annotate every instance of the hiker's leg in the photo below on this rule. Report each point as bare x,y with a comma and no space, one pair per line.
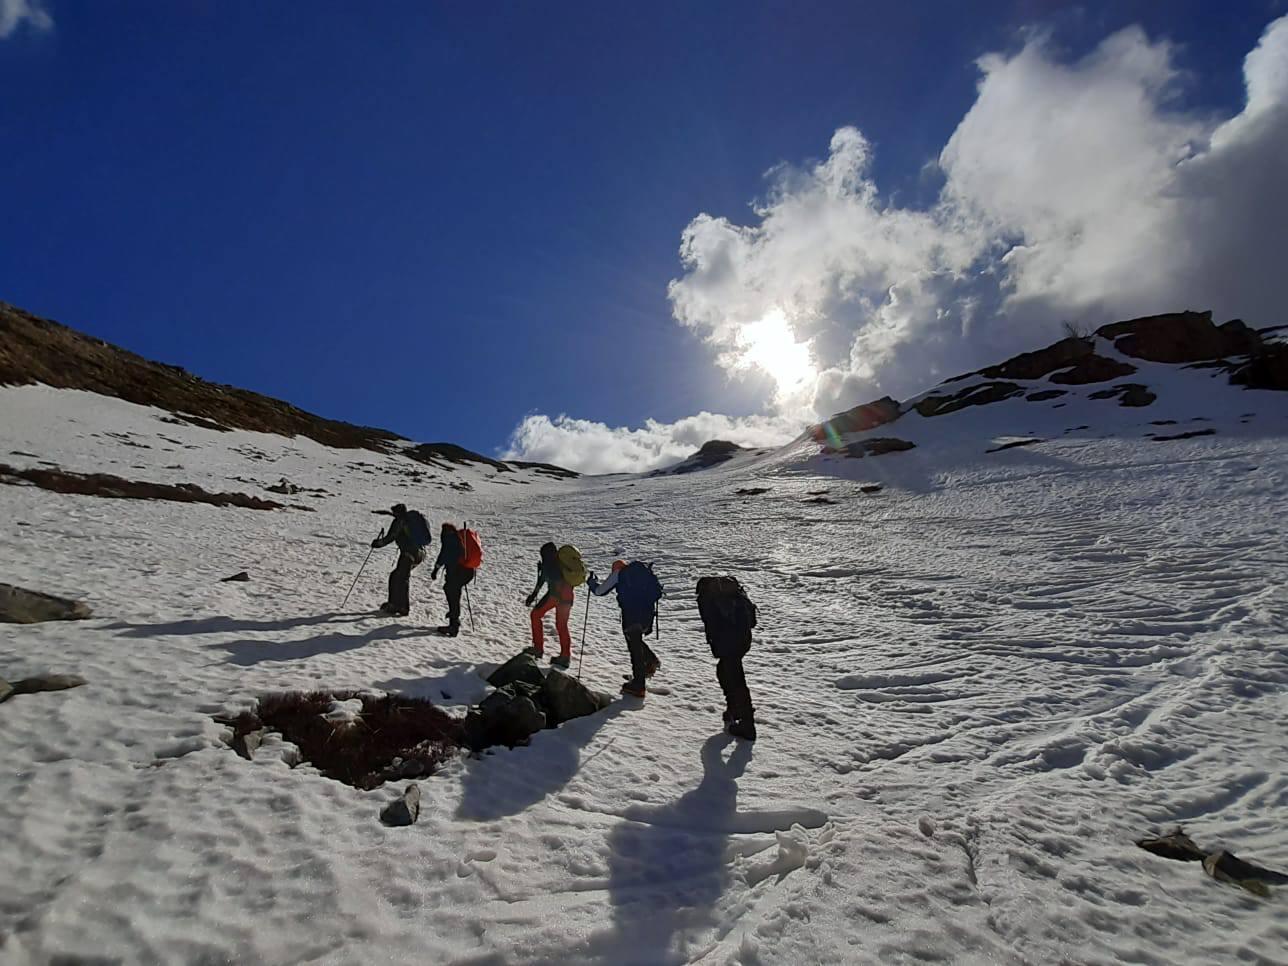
541,610
739,695
722,675
636,646
398,584
452,590
562,609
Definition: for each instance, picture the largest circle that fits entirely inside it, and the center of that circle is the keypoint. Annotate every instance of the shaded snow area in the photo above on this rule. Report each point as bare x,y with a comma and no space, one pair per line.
975,688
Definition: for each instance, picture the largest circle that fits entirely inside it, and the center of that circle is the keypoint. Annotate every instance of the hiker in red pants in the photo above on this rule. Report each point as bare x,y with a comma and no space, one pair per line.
558,598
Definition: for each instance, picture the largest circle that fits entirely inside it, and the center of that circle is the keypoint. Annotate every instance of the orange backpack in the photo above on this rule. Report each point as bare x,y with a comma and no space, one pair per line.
471,549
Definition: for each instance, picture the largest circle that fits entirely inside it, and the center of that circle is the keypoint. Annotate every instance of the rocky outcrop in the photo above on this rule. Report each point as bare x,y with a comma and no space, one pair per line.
117,488
859,419
36,350
981,395
1179,337
1127,394
1265,369
523,667
21,606
38,683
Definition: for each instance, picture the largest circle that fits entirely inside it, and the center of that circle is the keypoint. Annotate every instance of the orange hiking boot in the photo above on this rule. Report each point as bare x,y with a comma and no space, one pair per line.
634,690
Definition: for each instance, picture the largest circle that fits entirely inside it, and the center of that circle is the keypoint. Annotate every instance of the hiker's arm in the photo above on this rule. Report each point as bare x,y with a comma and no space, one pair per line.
601,587
385,539
442,560
541,579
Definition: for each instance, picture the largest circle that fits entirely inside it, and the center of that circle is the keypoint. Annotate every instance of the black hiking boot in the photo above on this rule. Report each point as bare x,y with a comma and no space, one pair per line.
744,728
560,662
447,630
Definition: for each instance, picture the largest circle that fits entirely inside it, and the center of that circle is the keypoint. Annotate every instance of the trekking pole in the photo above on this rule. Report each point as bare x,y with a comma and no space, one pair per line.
359,573
468,606
581,651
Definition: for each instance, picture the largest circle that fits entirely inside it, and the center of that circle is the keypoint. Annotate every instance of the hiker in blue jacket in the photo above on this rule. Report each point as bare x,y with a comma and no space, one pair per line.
638,592
410,530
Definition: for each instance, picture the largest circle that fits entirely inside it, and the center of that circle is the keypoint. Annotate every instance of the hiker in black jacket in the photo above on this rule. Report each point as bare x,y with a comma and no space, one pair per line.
410,531
450,554
728,617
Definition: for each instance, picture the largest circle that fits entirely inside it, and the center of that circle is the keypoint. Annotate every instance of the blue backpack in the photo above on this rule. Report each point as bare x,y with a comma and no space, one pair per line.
638,589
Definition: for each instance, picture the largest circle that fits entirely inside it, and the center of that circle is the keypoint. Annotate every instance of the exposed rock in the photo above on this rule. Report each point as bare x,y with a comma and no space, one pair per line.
6,690
545,469
989,392
240,576
1181,337
1043,362
20,606
878,446
1188,435
245,744
522,667
404,810
508,716
1044,394
871,488
1093,368
114,487
859,419
1228,867
751,491
1265,369
1127,393
47,682
821,501
285,488
1013,444
712,453
1174,845
566,698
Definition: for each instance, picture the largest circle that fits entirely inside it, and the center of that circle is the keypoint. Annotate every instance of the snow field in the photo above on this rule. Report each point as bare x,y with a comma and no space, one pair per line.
974,690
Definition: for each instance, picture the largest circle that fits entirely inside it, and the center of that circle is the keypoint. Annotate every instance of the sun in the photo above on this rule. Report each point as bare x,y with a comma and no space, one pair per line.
770,345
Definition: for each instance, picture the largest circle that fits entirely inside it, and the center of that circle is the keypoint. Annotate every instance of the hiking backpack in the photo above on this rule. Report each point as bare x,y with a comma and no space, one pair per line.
417,528
638,589
471,548
727,613
571,565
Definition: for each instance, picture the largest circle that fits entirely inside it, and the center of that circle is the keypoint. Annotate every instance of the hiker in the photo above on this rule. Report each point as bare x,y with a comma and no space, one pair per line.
728,617
638,592
460,565
560,569
411,532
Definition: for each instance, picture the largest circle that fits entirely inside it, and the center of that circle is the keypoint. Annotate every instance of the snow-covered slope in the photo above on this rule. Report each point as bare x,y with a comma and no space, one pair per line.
976,686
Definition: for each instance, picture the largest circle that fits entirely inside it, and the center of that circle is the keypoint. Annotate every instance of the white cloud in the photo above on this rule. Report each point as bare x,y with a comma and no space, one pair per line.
13,13
1078,191
592,447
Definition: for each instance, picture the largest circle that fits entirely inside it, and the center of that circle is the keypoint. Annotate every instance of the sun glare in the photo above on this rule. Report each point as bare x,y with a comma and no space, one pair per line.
771,345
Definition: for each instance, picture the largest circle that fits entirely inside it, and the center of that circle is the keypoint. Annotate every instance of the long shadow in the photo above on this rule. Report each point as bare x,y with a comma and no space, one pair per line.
668,866
507,782
226,625
252,652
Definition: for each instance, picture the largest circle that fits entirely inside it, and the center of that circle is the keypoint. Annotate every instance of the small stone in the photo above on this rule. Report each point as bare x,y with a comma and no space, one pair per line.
405,810
241,575
48,682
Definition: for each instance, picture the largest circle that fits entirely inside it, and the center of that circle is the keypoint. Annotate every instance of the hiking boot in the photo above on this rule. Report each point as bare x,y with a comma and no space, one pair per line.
560,662
386,608
652,667
745,729
728,717
633,689
447,630
536,652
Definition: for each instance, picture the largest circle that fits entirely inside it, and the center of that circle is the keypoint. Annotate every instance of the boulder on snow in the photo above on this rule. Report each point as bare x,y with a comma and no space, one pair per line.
240,576
21,606
1228,867
877,446
46,682
404,810
522,667
1175,845
566,698
505,718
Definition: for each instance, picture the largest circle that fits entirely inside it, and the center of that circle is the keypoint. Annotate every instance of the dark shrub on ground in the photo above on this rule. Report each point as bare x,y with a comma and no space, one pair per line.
394,737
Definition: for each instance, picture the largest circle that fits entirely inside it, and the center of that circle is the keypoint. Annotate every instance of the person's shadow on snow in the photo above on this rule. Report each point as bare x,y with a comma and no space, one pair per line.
668,866
507,781
226,625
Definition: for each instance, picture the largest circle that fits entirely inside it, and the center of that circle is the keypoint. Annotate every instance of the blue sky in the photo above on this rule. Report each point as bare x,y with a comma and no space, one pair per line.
438,219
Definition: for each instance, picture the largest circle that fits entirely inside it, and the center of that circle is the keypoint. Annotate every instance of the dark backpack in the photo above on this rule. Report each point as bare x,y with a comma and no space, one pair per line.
638,589
728,615
417,528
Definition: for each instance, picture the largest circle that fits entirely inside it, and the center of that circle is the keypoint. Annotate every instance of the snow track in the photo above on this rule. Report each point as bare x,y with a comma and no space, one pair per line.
974,690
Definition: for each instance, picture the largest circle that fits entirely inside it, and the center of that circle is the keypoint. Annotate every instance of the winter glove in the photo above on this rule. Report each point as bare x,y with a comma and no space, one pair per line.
375,543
